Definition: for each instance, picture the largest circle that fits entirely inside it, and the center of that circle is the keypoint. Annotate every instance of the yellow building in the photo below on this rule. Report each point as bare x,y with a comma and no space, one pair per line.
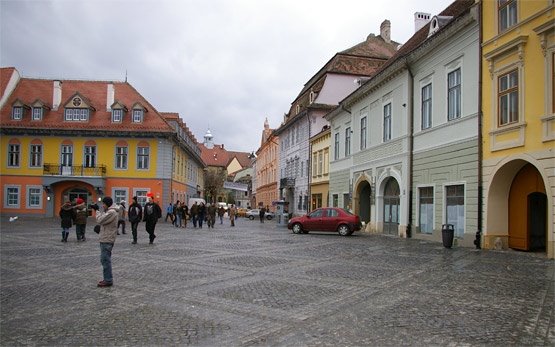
68,139
266,191
518,128
319,176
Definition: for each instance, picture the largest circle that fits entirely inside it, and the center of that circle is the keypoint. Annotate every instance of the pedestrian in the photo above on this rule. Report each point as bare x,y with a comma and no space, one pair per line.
67,214
169,212
108,221
152,212
122,213
135,215
174,213
178,214
194,214
211,215
201,214
185,214
221,212
81,215
261,214
232,212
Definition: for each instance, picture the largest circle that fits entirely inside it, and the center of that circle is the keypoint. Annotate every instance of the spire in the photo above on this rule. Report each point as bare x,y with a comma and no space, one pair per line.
266,124
208,139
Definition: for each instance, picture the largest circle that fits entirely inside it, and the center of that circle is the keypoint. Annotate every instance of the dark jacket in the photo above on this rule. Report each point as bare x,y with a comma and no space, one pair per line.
81,214
152,212
135,212
68,215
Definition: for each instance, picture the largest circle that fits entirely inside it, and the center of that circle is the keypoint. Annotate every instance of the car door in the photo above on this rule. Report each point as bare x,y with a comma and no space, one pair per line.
331,219
314,221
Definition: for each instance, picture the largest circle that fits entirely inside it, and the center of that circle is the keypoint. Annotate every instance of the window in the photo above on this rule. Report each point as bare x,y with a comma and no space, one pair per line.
336,146
363,135
454,94
67,155
37,113
316,201
12,197
35,159
508,98
426,208
90,156
119,195
348,142
507,14
121,157
300,203
335,200
138,115
455,208
117,115
76,114
427,106
17,113
346,201
142,157
33,197
387,122
13,155
314,164
320,163
141,196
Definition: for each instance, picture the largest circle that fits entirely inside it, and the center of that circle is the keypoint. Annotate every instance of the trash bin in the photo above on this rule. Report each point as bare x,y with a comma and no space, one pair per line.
447,235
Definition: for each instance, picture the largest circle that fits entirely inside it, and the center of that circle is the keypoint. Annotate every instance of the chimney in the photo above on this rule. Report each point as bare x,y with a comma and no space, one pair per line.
109,96
57,95
385,31
420,20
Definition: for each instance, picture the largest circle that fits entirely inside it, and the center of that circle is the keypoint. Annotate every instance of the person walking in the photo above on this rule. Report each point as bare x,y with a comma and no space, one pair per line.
178,214
67,214
201,214
122,213
152,212
135,215
108,221
261,214
232,213
211,210
169,213
221,212
185,215
194,214
81,215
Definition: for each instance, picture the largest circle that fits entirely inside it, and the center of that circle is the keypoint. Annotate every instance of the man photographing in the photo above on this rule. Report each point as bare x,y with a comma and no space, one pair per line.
108,221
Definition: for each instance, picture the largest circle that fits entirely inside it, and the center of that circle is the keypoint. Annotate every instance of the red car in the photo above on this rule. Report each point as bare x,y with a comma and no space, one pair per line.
326,219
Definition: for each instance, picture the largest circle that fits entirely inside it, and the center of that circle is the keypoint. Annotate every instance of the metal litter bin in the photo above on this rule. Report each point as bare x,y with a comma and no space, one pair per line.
447,235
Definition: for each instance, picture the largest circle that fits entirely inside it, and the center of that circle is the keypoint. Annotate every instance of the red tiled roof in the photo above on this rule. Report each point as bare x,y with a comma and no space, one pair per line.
243,158
216,156
95,92
5,75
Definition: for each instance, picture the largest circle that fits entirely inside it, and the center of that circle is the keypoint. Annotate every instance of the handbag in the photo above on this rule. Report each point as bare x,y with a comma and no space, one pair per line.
97,228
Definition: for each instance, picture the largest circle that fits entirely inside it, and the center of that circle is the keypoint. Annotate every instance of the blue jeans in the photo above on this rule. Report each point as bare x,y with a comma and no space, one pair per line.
106,260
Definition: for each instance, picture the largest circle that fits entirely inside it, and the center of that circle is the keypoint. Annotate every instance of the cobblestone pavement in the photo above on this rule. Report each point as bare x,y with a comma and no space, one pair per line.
260,285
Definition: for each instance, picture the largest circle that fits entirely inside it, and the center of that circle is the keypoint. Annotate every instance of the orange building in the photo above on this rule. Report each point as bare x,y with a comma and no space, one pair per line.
266,168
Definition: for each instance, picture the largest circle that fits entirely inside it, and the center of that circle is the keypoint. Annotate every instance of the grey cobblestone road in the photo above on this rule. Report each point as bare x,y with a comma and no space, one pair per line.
260,285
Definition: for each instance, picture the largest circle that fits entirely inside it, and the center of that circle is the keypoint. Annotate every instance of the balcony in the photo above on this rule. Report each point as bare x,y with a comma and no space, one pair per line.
74,171
288,182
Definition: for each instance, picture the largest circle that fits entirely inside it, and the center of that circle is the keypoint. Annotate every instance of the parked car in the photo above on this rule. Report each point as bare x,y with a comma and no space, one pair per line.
241,212
326,219
255,213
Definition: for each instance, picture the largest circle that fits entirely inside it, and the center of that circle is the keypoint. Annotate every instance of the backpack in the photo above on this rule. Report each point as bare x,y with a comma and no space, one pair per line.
133,214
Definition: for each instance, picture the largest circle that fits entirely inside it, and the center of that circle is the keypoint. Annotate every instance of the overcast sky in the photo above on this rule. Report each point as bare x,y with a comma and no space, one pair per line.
222,65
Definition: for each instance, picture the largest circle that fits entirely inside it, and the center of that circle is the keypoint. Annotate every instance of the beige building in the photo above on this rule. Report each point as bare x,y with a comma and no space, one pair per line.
319,176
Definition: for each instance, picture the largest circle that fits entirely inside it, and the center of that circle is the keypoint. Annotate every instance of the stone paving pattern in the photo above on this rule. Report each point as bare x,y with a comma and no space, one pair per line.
260,285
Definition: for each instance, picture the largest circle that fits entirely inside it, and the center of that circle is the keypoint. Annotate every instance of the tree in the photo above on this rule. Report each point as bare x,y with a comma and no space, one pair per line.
213,183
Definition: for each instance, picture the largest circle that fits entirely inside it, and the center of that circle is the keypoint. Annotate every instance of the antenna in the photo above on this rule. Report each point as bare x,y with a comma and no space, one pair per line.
125,75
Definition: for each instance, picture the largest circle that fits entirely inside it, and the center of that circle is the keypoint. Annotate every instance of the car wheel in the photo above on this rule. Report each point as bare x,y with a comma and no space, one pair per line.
251,217
344,230
269,217
297,228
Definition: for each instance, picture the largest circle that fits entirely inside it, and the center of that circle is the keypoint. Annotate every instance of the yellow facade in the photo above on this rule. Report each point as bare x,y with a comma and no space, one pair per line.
518,127
320,161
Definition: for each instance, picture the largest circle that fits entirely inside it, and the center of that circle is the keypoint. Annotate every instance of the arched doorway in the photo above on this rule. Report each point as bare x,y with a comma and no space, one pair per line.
364,195
391,204
527,210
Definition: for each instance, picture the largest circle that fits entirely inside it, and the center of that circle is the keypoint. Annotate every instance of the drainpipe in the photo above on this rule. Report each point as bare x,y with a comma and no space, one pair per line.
308,190
411,145
478,239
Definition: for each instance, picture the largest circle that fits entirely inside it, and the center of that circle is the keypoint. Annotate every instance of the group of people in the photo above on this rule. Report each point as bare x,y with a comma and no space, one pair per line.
199,213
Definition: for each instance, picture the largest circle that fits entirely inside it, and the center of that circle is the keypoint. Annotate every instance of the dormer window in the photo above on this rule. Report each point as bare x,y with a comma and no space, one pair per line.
297,109
138,115
117,115
37,113
77,109
311,97
17,113
437,23
37,110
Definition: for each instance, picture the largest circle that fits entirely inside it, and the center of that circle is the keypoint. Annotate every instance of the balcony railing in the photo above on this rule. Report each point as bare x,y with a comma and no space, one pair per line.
78,170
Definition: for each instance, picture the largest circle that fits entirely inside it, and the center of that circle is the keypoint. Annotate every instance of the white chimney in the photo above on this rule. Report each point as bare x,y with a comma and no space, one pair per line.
421,19
385,31
109,96
57,95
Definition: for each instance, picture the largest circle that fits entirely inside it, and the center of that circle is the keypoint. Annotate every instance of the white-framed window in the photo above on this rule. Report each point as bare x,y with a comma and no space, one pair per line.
143,158
37,113
454,94
455,207
11,196
90,156
507,14
138,115
427,106
426,209
508,98
140,193
35,158
76,114
34,197
314,164
17,112
14,153
336,146
67,155
120,194
121,157
347,141
363,131
387,122
320,163
117,115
